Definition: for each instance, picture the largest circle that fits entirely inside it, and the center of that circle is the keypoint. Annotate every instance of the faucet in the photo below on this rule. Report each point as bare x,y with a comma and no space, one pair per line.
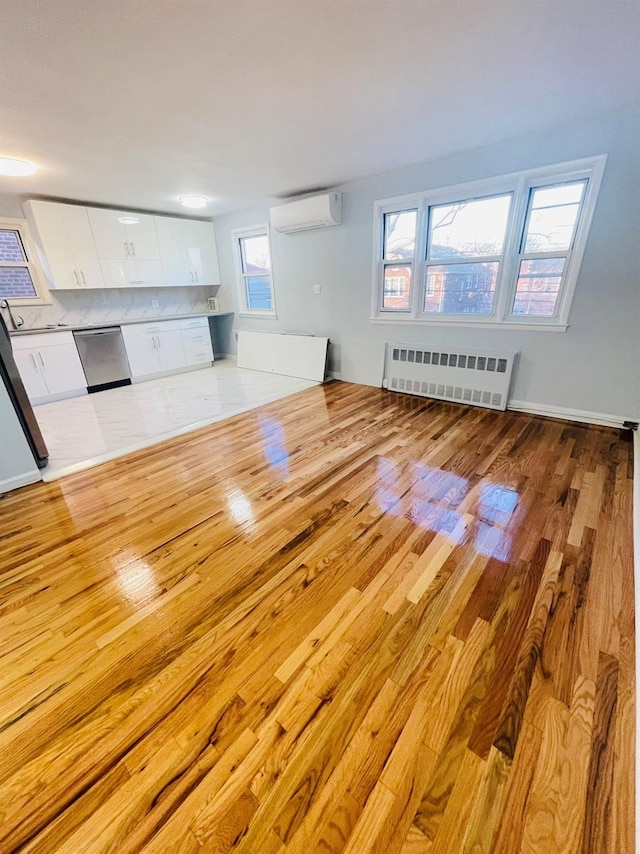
15,324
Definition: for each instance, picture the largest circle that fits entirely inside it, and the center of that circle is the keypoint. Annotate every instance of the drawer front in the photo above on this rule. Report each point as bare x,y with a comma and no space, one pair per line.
154,328
195,323
197,346
41,339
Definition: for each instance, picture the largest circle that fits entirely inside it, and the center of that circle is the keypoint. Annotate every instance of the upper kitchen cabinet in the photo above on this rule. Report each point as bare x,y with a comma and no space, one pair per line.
188,251
127,247
123,234
65,245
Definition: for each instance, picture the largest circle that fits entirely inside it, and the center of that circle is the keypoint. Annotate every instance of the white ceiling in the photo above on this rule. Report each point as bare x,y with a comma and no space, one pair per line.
133,102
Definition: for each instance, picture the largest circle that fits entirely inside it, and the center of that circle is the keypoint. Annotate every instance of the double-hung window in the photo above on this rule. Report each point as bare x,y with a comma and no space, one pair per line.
252,255
505,251
21,281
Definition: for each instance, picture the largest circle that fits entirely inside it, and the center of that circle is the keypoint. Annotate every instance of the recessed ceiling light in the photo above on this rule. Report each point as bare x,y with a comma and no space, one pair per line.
14,166
194,201
128,220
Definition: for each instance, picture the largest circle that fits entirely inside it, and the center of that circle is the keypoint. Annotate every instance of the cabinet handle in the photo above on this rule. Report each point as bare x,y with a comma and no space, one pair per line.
41,359
153,340
126,247
76,277
84,281
191,275
195,273
159,344
35,364
133,249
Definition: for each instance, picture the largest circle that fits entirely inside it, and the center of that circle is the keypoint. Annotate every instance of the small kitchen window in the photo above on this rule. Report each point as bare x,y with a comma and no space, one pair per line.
252,255
20,279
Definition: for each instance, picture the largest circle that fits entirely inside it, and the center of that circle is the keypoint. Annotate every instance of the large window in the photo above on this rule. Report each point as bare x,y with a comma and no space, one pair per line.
253,271
504,251
20,279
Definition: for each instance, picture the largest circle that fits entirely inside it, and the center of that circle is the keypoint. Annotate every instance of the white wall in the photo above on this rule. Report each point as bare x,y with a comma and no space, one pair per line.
17,466
594,366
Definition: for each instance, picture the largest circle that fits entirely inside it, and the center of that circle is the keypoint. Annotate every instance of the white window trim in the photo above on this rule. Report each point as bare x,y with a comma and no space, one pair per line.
33,264
244,310
518,183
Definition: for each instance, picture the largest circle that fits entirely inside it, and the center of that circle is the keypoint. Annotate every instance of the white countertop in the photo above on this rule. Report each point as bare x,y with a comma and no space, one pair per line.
109,323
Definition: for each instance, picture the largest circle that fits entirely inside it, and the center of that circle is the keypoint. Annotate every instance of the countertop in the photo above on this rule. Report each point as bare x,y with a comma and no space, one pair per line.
108,323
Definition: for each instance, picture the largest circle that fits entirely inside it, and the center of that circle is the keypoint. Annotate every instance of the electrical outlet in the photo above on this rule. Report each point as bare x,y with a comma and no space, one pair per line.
155,303
317,289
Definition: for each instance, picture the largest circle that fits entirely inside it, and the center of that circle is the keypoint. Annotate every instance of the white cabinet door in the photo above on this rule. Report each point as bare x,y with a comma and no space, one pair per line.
142,353
202,254
109,233
173,240
83,248
171,350
52,242
29,366
141,235
62,368
197,345
132,273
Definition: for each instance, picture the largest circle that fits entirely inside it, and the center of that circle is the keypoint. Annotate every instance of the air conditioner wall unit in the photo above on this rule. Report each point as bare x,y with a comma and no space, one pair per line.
304,214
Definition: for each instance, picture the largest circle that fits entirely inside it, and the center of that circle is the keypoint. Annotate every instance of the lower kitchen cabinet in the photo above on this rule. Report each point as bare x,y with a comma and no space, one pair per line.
155,348
49,365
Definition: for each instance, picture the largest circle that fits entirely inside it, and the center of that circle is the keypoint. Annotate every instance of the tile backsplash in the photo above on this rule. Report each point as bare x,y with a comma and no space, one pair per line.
74,308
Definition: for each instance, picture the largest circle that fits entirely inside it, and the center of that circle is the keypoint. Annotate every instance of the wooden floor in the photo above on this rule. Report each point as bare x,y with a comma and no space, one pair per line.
347,621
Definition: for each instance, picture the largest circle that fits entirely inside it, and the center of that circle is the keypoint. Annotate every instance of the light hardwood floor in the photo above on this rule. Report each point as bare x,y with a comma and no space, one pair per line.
347,621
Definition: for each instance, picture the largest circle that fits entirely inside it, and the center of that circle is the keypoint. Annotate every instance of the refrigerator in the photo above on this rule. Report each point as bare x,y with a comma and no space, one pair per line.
12,380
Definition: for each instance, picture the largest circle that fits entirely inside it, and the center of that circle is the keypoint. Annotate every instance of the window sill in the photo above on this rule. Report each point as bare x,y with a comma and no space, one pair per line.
267,315
472,324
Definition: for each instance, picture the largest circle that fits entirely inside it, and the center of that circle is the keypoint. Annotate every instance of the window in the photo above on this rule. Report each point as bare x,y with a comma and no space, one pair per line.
253,271
504,251
20,279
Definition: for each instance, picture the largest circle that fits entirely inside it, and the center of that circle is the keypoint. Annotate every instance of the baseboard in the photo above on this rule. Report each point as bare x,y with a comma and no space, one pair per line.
172,373
62,395
20,480
333,375
583,415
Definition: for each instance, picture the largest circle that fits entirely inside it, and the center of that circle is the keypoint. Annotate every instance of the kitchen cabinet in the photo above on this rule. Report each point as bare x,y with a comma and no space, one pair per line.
127,246
49,365
65,245
188,251
88,247
196,340
124,234
169,345
154,348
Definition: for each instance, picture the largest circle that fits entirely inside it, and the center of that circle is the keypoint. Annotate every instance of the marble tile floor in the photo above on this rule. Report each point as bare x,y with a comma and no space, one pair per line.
82,432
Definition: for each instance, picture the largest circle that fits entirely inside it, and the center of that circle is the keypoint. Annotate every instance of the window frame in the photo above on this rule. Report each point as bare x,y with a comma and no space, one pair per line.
521,186
237,234
32,264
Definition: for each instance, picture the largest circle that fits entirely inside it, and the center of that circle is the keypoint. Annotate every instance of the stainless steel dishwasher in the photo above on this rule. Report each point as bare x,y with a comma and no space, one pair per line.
103,357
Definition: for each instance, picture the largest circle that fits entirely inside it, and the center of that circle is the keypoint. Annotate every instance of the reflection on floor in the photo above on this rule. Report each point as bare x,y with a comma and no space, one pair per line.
83,431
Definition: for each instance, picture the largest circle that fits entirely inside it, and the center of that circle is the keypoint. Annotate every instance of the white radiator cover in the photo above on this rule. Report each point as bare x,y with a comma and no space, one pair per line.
462,375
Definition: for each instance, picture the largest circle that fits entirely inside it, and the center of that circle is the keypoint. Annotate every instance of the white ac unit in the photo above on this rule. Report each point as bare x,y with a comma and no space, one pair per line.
305,214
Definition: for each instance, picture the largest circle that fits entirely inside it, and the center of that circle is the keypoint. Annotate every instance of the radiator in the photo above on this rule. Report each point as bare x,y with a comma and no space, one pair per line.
476,377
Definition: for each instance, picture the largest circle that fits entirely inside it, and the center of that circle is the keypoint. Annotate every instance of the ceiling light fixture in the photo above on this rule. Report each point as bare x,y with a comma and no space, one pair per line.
194,201
16,167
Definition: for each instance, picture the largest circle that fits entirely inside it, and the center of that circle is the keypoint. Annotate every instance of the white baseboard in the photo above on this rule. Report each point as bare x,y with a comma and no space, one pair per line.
19,480
585,416
333,375
63,395
160,374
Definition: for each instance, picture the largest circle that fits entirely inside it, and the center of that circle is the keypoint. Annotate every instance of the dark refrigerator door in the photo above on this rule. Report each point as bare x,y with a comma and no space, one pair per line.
21,403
